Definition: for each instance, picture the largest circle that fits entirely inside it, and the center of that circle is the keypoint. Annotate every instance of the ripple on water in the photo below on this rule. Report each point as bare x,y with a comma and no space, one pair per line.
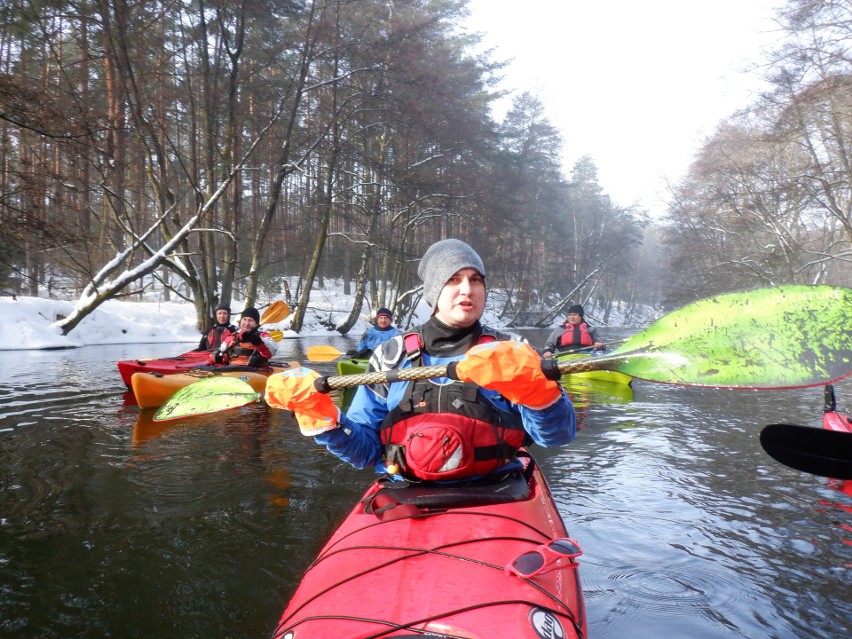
689,530
681,536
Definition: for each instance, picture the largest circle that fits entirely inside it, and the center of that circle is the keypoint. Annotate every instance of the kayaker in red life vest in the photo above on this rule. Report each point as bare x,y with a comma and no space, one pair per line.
574,335
250,346
439,429
222,329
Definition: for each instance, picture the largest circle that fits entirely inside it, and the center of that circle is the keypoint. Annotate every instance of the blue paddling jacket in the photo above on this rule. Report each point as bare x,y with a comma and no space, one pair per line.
358,442
375,336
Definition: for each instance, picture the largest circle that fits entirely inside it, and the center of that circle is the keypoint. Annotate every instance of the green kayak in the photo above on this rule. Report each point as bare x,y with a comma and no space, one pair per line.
350,367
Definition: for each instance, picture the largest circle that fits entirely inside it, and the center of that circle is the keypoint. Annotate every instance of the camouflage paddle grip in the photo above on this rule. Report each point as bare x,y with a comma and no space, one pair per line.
327,384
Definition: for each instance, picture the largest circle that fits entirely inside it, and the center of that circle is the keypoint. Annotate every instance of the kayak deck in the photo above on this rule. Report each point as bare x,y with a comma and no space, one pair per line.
165,366
431,561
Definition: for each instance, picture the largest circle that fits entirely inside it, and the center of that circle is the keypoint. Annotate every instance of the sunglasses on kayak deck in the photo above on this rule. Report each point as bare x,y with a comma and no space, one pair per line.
545,558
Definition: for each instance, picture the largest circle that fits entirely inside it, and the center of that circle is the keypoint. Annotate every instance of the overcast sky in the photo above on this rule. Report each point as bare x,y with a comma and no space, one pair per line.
635,85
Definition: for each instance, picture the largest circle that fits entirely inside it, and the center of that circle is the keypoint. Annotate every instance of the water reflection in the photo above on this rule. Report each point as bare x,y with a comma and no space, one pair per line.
111,525
688,478
587,395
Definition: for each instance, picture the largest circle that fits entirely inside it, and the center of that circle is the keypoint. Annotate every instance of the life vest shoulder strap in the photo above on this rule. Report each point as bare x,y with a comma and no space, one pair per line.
413,342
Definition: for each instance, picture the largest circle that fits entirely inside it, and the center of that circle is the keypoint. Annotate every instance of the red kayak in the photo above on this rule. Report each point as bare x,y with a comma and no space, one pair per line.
166,366
481,561
831,419
840,422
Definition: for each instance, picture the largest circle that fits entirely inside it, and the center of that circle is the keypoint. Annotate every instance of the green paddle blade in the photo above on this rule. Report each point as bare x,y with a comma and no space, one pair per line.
209,395
782,337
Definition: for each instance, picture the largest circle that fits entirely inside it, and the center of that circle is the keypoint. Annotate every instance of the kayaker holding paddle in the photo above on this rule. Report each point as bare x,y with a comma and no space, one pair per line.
439,429
380,332
575,334
249,346
221,330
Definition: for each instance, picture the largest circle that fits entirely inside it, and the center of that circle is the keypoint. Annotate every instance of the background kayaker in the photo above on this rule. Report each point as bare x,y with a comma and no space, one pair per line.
380,332
433,429
222,328
250,346
575,334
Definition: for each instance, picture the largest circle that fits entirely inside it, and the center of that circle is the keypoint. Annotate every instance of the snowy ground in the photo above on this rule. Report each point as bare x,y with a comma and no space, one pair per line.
28,323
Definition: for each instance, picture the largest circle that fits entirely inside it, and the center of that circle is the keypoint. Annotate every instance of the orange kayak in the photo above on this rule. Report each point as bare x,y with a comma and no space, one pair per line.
153,389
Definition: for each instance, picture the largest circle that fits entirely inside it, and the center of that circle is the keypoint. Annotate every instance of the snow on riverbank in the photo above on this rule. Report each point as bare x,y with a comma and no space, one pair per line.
28,323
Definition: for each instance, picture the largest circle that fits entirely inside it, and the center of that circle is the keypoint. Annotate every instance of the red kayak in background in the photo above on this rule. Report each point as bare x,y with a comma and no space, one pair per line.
166,366
445,561
831,419
839,422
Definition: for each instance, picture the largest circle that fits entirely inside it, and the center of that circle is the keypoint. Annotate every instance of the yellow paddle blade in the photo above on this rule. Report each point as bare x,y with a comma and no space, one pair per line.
276,312
276,335
323,353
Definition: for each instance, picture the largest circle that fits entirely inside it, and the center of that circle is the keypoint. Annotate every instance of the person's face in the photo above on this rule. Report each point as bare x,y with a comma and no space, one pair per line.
247,323
222,316
462,300
574,318
383,321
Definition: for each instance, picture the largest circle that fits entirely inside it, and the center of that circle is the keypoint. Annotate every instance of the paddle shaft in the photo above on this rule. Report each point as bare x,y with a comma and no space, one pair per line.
552,368
586,349
781,337
327,353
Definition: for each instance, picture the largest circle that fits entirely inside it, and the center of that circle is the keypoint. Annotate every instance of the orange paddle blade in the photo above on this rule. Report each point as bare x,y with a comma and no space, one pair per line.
276,312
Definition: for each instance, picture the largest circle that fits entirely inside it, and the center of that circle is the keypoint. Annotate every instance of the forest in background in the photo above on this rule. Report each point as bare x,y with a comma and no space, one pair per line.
212,150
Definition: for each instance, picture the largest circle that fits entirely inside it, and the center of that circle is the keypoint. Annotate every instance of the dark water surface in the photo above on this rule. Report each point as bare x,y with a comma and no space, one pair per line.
111,526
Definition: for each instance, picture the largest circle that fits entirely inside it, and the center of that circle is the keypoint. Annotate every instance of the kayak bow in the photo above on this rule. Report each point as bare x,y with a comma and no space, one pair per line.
444,562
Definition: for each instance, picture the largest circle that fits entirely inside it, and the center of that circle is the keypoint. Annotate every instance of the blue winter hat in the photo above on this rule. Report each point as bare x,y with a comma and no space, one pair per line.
441,261
384,311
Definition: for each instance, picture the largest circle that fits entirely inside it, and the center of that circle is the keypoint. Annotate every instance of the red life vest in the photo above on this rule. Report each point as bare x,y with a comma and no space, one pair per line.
216,335
576,335
247,354
448,431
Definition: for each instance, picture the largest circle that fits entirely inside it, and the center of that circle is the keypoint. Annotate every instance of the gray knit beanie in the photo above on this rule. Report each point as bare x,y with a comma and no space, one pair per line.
441,261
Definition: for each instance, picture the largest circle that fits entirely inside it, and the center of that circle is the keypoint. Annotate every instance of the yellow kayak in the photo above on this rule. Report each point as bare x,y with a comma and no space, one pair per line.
153,389
611,377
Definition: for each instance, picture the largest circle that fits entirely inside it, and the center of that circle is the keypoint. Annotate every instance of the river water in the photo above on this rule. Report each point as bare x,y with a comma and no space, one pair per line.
112,526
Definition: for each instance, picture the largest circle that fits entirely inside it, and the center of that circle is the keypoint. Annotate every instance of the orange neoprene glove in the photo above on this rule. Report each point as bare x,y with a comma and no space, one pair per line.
294,390
513,369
